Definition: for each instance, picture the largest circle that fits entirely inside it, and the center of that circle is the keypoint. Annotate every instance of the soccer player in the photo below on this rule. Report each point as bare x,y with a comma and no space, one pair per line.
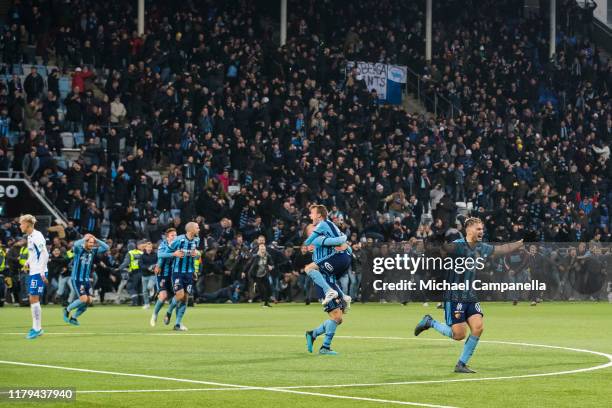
461,307
163,270
330,262
85,251
328,257
335,308
183,269
37,265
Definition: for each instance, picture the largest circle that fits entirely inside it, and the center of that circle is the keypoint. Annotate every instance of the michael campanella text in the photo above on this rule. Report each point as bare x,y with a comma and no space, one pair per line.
476,285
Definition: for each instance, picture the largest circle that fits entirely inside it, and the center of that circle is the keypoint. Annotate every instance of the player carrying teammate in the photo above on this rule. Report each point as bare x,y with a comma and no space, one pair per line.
461,307
37,265
85,251
163,269
330,262
331,254
184,249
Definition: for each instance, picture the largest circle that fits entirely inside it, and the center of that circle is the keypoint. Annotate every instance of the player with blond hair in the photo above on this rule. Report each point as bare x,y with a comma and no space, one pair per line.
37,267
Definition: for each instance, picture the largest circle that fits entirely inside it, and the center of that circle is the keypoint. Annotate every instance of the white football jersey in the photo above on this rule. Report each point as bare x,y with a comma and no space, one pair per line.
37,253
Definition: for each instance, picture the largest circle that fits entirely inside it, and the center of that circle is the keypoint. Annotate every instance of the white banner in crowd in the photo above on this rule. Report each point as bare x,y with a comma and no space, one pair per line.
376,74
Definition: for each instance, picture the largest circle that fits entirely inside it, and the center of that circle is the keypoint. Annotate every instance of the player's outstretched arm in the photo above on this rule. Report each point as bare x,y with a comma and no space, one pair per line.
505,249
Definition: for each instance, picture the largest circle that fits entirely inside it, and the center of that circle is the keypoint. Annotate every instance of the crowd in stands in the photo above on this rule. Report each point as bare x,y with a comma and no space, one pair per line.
248,134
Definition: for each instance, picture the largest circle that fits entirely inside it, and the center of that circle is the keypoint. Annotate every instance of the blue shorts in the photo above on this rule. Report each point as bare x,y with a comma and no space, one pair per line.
164,283
459,312
336,265
334,304
36,286
83,288
182,281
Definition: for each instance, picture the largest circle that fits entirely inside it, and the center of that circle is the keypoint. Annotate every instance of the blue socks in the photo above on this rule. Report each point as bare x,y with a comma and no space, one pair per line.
180,312
468,348
173,304
80,310
158,305
319,280
74,305
442,329
330,330
319,330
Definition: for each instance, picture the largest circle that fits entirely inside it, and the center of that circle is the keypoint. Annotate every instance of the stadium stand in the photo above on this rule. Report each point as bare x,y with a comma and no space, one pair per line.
205,118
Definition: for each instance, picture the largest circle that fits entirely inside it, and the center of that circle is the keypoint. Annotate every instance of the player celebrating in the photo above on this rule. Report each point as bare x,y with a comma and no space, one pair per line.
461,307
329,263
163,269
328,257
185,252
37,265
85,251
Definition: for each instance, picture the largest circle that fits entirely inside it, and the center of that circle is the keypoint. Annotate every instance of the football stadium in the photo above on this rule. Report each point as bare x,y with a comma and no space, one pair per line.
286,203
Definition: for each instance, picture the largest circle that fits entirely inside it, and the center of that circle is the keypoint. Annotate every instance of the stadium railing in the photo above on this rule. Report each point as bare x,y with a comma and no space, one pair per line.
426,93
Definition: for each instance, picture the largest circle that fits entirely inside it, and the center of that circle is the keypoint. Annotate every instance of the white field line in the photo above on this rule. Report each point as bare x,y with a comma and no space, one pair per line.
566,372
229,386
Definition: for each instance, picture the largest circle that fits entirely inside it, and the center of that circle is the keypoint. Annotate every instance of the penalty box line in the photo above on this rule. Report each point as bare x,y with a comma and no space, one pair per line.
221,386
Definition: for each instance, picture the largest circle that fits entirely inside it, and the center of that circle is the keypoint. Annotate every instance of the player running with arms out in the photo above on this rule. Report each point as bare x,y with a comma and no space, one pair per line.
185,252
461,307
85,251
37,266
331,256
163,270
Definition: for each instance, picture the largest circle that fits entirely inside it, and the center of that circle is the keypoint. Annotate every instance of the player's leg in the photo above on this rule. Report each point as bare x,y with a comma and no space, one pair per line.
35,291
178,294
80,288
36,311
476,324
312,270
161,299
182,306
446,328
341,266
335,311
87,300
180,313
331,324
162,295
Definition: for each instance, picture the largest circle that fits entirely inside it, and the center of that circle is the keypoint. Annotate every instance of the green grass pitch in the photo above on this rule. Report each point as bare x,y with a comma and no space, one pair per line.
233,346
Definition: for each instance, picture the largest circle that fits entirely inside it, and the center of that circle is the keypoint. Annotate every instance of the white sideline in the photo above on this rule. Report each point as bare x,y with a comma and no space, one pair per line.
229,386
162,390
